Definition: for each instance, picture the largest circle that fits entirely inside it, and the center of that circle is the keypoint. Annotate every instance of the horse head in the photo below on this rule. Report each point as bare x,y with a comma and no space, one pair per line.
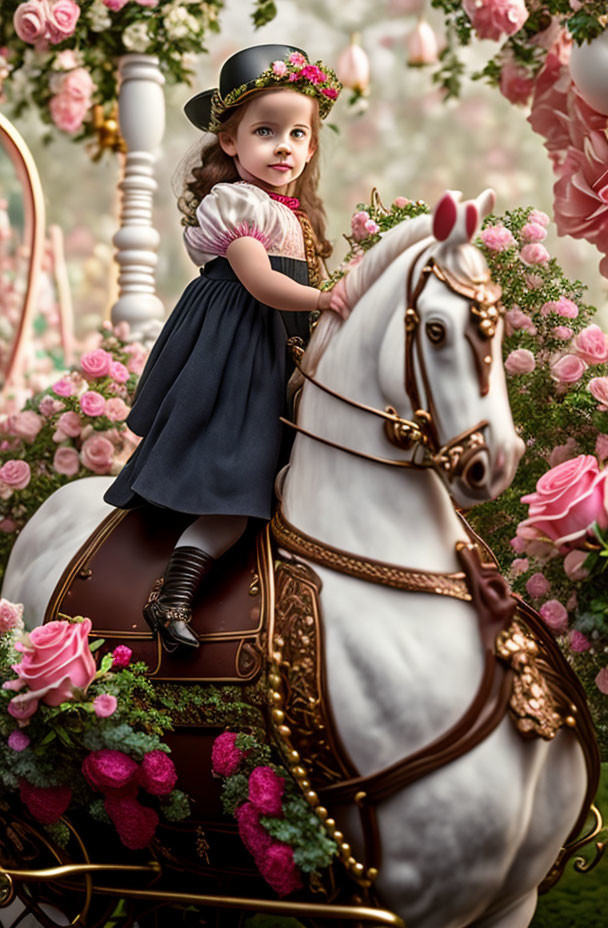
426,308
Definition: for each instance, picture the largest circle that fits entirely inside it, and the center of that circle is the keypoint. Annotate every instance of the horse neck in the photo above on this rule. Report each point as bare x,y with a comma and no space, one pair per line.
393,514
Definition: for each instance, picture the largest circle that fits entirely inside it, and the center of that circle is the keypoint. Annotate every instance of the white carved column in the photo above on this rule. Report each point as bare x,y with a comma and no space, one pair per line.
141,107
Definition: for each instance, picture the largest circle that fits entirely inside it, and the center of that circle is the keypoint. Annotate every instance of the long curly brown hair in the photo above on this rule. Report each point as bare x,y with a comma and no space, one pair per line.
217,167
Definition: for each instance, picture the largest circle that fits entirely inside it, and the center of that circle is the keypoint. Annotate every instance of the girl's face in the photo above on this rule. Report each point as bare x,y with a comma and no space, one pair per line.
274,141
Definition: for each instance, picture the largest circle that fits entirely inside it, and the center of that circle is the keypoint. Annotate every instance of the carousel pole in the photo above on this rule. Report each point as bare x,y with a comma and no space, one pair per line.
141,108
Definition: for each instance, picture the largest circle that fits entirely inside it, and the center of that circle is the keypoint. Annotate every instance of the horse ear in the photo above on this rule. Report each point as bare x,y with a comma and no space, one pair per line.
445,216
485,201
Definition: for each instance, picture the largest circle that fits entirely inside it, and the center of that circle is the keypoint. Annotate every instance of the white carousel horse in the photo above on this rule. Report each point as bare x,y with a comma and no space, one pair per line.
468,844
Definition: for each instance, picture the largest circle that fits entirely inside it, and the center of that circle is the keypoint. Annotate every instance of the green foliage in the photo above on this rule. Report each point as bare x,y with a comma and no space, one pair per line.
313,849
264,12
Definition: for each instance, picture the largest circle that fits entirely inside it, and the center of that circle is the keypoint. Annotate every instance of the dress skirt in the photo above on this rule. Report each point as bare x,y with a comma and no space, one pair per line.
209,400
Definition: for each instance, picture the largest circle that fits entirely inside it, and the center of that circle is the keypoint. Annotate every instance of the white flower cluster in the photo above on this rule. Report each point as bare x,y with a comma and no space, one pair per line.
179,23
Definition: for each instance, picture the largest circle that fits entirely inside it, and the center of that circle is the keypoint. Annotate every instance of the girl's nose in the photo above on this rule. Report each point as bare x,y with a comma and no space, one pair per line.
282,147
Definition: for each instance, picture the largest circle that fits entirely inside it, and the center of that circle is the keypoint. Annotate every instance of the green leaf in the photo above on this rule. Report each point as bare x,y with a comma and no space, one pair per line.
96,644
106,663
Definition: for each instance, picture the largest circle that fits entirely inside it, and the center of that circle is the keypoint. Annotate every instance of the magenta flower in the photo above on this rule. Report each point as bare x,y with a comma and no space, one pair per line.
45,803
157,773
121,656
18,740
105,705
225,756
266,790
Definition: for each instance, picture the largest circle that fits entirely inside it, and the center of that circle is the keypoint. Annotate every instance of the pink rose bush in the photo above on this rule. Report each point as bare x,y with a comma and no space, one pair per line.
268,809
11,616
496,19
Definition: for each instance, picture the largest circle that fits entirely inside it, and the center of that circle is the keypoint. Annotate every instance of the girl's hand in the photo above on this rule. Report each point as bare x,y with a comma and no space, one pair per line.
336,300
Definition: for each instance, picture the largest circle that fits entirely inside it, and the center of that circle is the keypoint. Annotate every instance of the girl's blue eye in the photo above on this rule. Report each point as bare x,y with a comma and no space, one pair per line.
264,131
299,133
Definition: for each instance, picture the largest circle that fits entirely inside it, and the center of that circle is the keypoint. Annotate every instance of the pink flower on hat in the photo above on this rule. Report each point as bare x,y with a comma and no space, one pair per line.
297,60
279,68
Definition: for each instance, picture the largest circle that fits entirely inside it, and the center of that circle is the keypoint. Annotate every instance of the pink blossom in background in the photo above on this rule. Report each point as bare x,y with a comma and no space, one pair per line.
105,705
533,232
138,356
96,363
573,565
11,616
69,424
563,332
147,2
121,656
67,113
601,447
537,585
515,83
119,372
534,253
563,307
66,461
493,19
601,681
78,84
115,5
555,616
49,406
520,361
518,544
30,21
121,330
7,526
96,454
497,238
567,501
18,740
62,18
64,387
16,474
591,344
116,409
550,105
564,452
598,387
519,566
533,281
400,202
92,403
578,641
25,424
516,319
537,216
568,369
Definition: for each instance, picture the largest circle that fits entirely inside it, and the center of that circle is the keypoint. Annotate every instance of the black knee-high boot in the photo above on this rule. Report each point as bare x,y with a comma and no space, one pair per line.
169,613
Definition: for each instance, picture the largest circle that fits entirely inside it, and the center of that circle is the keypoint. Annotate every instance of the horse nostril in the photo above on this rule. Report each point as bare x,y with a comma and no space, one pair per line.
476,473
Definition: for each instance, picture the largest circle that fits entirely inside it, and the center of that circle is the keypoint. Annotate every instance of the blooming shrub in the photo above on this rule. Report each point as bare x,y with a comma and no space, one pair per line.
74,428
58,734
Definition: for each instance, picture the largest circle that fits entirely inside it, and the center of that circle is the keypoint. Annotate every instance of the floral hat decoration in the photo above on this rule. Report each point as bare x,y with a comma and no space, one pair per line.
258,68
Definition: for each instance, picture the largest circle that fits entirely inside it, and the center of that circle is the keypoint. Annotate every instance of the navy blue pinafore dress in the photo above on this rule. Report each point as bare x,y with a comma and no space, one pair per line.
210,397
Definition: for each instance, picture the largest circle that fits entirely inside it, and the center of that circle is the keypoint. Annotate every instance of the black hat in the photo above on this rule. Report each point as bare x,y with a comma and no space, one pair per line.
258,68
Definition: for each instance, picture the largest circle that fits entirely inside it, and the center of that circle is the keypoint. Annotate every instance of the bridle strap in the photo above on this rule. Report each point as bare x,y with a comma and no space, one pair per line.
359,454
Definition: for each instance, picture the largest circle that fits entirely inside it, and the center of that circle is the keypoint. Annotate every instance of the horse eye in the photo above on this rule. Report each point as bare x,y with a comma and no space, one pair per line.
436,333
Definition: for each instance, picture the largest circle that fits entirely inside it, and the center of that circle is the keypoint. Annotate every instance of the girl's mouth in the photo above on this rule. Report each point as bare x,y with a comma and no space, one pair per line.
281,167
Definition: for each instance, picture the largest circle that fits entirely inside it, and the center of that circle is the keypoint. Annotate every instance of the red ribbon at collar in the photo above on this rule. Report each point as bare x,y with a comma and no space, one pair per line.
291,202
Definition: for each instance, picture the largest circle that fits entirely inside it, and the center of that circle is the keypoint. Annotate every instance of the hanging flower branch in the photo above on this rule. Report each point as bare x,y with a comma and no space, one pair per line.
61,55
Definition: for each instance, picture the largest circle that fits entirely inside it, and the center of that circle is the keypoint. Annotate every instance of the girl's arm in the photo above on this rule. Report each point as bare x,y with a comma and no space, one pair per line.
251,264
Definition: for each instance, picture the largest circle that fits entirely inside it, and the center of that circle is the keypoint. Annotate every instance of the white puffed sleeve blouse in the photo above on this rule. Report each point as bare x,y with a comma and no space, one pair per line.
231,211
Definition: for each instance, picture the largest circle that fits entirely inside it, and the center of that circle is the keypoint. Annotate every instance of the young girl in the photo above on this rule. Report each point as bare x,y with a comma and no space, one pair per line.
209,400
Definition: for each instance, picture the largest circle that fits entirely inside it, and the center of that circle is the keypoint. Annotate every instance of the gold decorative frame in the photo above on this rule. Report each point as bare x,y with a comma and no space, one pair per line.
25,167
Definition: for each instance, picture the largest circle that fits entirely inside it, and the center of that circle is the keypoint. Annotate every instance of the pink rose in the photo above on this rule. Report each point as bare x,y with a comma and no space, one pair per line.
601,681
279,68
45,803
591,344
573,565
400,202
555,616
278,868
109,770
563,307
92,403
497,238
48,406
516,85
96,454
578,641
11,616
564,452
66,461
55,659
518,544
20,707
16,474
297,59
539,218
532,232
105,705
534,254
63,16
266,790
96,363
598,387
79,85
69,424
64,387
30,21
371,227
119,372
358,225
537,585
520,361
568,369
601,443
116,409
519,566
26,424
491,19
157,774
18,740
568,500
563,332
68,114
330,92
121,656
135,824
516,319
137,358
225,756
